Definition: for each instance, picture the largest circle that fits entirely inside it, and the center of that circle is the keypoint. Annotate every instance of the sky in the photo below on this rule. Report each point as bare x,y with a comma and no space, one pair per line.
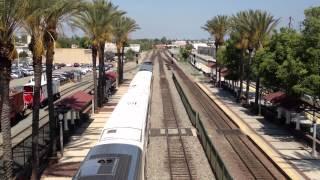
183,19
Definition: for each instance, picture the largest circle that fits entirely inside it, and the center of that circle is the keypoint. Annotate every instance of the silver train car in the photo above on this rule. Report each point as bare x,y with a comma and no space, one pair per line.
120,151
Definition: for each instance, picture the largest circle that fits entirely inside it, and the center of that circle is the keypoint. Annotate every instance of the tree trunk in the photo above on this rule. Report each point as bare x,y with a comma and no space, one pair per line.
122,63
248,76
94,72
52,121
256,100
217,81
101,74
37,66
220,76
5,71
119,65
241,78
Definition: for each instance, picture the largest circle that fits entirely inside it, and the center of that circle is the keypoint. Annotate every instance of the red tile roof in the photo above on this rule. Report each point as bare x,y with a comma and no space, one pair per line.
111,74
275,97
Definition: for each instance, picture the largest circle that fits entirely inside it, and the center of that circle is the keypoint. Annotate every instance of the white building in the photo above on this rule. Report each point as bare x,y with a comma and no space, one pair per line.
179,43
110,47
196,45
133,47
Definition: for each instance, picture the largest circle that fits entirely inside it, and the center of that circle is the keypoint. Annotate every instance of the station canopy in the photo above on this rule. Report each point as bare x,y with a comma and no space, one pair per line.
77,101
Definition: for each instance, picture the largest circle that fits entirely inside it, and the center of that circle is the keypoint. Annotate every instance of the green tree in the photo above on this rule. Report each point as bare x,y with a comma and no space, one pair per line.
310,53
123,26
54,15
130,55
218,27
163,40
280,61
230,57
257,25
11,13
185,51
34,25
240,41
95,20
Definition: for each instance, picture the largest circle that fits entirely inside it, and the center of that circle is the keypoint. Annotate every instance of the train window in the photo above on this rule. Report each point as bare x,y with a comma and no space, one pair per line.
111,131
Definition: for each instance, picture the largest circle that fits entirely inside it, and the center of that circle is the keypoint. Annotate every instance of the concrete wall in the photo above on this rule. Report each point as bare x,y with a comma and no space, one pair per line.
70,56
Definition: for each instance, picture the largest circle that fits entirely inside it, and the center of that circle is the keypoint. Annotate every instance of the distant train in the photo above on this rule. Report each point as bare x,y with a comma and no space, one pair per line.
120,151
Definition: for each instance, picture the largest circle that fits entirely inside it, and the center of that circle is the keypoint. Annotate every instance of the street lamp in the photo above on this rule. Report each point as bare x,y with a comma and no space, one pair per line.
314,123
61,110
260,96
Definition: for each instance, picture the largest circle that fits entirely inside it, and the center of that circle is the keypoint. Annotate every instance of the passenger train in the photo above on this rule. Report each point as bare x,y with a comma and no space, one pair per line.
120,151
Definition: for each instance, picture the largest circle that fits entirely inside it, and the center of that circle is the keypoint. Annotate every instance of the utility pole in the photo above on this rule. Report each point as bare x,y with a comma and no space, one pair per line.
290,22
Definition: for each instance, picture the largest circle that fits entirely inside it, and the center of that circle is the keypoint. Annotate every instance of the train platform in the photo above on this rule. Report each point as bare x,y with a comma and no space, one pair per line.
83,140
292,155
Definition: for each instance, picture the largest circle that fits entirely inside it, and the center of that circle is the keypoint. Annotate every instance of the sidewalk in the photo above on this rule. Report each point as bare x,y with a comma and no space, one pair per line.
82,140
277,142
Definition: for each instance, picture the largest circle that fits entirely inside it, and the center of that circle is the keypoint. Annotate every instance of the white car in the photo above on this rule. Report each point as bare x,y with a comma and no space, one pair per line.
14,76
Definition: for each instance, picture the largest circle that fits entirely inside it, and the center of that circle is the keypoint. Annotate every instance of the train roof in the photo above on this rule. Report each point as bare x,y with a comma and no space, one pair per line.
141,82
146,67
110,162
127,122
148,62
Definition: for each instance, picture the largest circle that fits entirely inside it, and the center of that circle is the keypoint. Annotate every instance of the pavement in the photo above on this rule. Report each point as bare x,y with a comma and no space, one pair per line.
291,154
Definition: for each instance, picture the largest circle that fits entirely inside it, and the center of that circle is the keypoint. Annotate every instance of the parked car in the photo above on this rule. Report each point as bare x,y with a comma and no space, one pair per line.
76,65
27,72
64,75
14,76
17,72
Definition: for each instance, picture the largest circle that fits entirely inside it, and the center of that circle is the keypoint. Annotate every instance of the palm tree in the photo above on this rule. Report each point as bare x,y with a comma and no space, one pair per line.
58,11
257,25
218,27
122,27
242,44
85,21
10,18
265,25
34,24
95,20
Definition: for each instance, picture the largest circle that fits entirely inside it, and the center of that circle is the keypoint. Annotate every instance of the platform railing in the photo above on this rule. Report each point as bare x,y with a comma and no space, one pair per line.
213,156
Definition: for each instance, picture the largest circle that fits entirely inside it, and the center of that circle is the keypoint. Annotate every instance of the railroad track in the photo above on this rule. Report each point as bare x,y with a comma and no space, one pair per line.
177,156
253,161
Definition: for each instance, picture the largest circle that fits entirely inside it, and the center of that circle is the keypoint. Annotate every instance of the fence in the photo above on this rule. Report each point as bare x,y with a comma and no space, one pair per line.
22,154
214,159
